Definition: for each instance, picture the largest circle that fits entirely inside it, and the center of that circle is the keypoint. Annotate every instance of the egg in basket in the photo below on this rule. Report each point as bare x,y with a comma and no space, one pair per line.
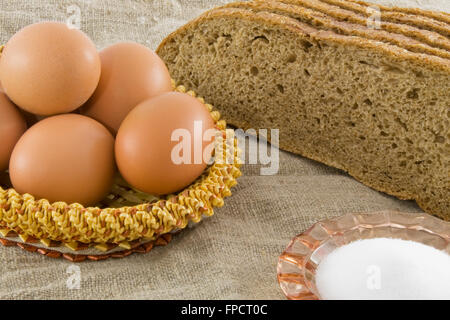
101,154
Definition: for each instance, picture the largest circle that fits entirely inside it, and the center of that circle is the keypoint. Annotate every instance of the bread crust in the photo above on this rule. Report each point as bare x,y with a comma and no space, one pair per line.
419,19
433,62
436,15
323,21
438,206
432,38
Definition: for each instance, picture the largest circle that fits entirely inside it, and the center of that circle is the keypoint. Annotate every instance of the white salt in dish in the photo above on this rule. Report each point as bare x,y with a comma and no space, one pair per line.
384,268
388,268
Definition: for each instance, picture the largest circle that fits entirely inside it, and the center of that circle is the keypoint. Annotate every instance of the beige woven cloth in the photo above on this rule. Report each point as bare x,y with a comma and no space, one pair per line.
232,255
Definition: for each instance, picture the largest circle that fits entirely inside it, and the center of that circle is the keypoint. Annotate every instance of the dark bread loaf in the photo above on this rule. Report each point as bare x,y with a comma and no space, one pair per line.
373,109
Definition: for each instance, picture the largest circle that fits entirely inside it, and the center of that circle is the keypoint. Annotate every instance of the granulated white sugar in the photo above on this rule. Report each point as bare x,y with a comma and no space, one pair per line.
384,268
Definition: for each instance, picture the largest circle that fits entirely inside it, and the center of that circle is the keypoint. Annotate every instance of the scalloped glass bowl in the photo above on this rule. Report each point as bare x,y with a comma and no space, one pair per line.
298,263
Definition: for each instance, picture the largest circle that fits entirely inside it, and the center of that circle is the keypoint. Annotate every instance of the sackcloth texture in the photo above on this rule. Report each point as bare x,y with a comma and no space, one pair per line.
232,255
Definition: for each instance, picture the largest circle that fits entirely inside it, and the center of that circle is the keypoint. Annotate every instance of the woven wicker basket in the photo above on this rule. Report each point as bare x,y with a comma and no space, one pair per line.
126,221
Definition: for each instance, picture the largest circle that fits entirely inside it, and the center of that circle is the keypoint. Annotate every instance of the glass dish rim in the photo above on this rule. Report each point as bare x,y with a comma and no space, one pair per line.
296,284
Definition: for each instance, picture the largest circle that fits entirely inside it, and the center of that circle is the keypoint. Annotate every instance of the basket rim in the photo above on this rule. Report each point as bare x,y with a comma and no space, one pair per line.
73,223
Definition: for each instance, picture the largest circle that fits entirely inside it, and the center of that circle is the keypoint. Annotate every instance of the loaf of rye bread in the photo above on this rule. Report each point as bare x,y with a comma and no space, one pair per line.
371,108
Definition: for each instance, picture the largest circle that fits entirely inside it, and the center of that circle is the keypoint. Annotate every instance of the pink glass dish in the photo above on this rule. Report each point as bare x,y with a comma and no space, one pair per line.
298,263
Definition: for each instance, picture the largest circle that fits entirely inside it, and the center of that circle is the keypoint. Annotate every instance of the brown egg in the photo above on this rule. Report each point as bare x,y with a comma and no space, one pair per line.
131,73
47,68
64,158
147,157
12,126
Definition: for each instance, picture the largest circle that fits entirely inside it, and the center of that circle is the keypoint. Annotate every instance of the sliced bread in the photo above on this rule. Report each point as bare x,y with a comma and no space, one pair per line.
430,37
372,109
436,15
420,19
323,21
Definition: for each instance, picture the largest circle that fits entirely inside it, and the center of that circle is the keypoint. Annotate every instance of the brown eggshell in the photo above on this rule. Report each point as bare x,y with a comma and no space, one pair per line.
30,118
47,68
131,73
12,126
144,143
64,158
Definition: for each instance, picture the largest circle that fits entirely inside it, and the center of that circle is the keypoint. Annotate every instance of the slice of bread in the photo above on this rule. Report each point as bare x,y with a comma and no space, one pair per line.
435,15
430,37
375,110
420,19
438,15
323,21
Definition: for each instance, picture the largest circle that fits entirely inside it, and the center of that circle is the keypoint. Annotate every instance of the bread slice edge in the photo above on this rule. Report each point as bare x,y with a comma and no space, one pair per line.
323,21
432,38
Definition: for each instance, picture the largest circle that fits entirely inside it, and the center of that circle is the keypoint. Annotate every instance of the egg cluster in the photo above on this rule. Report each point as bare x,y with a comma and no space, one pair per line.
71,116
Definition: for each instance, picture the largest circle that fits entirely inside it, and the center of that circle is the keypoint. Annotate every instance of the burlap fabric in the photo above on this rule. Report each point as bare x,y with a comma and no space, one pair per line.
232,255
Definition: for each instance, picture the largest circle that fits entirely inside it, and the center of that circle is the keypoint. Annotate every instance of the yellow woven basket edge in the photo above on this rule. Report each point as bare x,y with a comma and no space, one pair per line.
71,223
